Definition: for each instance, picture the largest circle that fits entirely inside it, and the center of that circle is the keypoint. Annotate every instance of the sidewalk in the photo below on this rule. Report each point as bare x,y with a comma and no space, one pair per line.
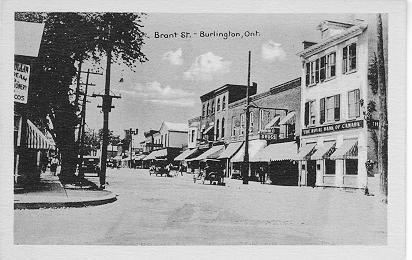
49,193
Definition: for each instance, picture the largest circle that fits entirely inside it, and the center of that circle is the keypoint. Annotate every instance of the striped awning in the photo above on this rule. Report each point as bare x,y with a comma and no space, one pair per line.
156,155
324,151
273,122
288,119
348,150
305,152
185,154
254,147
36,139
277,152
208,129
213,153
231,150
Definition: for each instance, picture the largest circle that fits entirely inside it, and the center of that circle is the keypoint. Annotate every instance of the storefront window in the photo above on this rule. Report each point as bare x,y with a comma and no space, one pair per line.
330,166
351,166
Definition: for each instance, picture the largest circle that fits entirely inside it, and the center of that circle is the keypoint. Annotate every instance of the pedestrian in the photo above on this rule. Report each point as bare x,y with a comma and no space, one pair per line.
53,165
44,162
261,175
181,169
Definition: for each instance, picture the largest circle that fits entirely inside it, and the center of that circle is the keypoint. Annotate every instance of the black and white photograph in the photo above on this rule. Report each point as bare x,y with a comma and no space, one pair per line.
210,130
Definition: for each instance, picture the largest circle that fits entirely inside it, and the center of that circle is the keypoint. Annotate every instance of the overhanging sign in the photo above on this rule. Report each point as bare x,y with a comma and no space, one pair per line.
21,82
333,128
268,136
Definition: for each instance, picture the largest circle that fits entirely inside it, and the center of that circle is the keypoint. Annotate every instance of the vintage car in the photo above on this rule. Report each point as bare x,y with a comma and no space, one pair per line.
213,172
90,164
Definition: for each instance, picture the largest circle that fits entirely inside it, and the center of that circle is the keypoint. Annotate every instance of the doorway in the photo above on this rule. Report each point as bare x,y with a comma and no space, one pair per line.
311,173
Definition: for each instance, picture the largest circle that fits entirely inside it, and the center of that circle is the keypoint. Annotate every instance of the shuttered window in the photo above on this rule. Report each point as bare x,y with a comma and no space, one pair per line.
354,103
337,107
322,110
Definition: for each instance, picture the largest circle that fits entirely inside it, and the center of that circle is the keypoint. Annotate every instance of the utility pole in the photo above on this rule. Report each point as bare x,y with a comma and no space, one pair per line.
245,167
80,133
383,113
131,132
106,108
76,100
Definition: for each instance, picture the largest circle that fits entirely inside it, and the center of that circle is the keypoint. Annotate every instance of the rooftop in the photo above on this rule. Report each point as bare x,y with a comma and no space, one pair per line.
179,127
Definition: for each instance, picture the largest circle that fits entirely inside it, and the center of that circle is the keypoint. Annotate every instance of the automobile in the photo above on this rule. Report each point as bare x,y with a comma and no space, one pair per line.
213,172
90,164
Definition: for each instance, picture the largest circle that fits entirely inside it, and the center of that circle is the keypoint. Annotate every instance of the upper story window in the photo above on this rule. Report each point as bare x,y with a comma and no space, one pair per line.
193,136
218,104
320,69
349,58
224,103
207,109
354,103
242,123
213,107
223,128
203,110
261,114
217,129
329,109
233,125
310,113
251,122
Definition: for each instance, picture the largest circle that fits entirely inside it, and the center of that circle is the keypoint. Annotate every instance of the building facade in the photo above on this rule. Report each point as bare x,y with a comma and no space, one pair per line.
338,137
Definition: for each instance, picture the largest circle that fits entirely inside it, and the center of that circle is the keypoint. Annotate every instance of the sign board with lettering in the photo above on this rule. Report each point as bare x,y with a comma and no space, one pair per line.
21,82
332,128
268,136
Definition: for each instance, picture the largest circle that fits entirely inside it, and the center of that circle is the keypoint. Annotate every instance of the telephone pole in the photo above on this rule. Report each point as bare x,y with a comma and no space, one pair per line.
245,175
106,108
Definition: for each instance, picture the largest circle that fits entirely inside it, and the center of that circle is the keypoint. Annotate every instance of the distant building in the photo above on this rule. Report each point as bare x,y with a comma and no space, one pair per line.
338,144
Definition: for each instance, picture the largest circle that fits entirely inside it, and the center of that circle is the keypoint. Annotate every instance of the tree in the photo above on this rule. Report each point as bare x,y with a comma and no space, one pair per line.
91,141
383,113
69,38
119,38
113,139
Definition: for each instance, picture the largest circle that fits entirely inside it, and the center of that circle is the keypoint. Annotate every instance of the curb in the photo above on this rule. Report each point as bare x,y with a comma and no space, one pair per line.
66,204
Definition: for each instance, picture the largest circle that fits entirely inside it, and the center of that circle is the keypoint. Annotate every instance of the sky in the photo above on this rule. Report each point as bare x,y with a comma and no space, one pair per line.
168,86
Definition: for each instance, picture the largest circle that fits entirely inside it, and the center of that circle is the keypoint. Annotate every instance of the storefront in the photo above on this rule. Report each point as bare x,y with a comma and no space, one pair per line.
227,155
238,159
278,162
335,159
197,163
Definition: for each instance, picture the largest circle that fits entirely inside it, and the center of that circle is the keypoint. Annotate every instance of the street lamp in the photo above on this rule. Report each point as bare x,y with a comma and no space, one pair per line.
131,132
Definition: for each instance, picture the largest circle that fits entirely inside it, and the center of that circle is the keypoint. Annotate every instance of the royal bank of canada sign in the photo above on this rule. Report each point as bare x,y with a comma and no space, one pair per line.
333,128
21,82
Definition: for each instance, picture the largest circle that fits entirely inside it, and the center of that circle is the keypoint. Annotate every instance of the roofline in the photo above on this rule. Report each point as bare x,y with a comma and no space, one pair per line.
335,39
220,89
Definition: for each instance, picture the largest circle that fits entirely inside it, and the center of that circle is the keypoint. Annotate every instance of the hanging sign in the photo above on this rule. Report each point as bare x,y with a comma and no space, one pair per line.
21,82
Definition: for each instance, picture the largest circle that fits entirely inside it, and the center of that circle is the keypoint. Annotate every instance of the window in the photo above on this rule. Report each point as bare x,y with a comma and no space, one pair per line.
233,125
224,103
322,111
251,122
203,110
223,128
310,113
218,104
166,143
217,129
349,58
330,166
330,109
337,107
351,167
213,107
321,69
354,103
193,136
242,123
261,114
331,65
207,109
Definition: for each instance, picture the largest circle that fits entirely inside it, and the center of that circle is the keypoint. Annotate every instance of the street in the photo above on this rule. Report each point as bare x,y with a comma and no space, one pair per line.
154,210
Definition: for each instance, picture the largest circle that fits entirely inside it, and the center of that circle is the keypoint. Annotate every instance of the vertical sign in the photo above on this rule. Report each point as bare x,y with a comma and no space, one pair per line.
21,82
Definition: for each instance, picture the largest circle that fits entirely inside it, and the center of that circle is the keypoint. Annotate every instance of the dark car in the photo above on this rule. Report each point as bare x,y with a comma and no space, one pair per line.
90,164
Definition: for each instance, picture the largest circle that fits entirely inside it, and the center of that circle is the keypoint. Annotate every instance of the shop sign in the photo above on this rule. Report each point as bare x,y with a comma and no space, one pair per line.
333,128
204,146
268,136
374,124
21,82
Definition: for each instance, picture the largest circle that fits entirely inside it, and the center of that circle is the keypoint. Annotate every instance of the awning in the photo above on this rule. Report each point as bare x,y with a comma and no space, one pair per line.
288,119
117,158
231,150
254,147
348,150
208,129
277,152
185,154
156,154
212,153
272,123
36,139
324,151
126,159
139,157
305,152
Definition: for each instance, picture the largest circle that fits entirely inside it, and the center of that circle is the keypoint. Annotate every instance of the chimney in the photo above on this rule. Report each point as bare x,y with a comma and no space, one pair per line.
330,28
307,44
